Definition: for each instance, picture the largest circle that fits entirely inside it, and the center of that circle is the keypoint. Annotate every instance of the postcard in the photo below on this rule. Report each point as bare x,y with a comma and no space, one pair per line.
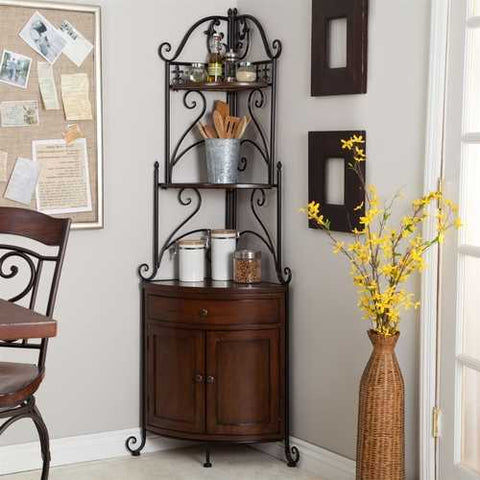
77,47
3,166
48,89
23,180
15,69
19,114
64,183
43,37
76,102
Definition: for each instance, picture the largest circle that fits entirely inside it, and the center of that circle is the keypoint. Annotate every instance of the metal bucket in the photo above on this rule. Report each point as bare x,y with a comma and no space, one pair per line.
223,155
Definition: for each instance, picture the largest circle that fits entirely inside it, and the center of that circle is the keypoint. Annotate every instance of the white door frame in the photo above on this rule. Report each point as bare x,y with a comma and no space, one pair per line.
429,321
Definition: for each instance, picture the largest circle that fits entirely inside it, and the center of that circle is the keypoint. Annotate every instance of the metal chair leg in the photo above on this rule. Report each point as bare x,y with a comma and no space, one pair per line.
44,441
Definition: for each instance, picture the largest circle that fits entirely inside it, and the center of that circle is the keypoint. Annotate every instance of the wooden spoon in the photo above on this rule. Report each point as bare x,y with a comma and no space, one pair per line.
219,125
241,127
210,131
223,108
202,130
230,126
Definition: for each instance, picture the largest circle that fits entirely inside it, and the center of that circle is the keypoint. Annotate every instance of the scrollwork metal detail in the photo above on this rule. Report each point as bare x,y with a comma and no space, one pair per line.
17,255
166,47
276,50
190,104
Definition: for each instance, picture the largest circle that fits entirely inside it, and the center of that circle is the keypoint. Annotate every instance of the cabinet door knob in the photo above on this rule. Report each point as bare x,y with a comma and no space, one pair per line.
203,313
199,378
210,379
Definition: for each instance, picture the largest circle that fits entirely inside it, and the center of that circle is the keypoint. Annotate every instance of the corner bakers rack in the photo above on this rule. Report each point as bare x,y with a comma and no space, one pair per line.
239,31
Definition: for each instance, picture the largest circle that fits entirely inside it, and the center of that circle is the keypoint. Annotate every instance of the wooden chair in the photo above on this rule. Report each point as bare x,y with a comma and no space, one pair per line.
20,381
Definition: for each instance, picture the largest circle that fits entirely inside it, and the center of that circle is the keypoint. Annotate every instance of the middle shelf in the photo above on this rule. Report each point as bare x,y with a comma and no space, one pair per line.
218,186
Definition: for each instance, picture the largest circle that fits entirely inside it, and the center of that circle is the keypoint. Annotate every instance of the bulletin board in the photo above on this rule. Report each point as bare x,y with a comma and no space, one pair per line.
16,141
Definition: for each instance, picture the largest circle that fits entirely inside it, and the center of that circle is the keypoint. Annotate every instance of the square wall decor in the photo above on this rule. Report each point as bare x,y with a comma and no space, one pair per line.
339,47
332,183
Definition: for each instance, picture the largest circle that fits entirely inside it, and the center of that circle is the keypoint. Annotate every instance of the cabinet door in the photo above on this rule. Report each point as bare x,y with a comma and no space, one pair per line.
175,369
243,382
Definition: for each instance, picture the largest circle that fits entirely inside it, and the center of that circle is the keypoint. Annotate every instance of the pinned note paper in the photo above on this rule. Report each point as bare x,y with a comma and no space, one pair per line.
3,166
48,89
23,181
76,102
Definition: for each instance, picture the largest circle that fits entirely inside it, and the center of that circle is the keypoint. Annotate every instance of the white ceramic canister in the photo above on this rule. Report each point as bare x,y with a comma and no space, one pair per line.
223,244
191,260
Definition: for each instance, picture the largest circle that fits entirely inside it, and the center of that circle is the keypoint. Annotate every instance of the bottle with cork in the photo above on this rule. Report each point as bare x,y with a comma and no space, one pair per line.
216,59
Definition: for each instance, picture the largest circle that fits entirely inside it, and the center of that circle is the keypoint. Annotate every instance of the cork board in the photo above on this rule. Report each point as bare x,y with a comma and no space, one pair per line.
17,141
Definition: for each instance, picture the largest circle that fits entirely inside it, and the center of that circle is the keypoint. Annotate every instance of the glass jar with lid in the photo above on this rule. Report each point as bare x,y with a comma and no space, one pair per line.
247,266
230,66
197,73
191,260
246,72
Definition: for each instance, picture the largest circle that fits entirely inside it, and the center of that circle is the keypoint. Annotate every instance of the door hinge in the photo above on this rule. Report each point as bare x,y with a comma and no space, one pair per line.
440,184
436,422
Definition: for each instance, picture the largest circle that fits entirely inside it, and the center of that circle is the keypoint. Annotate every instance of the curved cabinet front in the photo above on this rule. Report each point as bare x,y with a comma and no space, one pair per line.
214,361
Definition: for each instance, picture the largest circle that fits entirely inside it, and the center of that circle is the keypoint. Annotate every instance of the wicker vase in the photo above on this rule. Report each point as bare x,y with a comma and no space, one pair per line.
381,416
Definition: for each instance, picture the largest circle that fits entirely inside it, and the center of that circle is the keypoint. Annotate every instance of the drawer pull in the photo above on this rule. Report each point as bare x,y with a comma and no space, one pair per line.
210,380
203,313
199,378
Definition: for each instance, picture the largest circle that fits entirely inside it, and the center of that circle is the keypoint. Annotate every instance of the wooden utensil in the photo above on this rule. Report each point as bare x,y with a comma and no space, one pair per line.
219,125
210,131
230,126
202,130
241,127
223,108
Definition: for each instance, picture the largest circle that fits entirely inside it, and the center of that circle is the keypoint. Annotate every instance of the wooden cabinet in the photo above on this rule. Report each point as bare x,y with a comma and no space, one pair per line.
214,361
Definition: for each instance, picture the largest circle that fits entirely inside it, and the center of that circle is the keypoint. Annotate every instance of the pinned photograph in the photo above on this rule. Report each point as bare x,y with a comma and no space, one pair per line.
43,37
15,69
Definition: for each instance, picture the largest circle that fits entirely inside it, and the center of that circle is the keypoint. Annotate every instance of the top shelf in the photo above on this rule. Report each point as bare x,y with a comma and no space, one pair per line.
220,87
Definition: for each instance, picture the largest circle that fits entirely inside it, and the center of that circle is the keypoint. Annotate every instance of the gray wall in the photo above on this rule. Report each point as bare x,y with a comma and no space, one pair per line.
330,348
92,380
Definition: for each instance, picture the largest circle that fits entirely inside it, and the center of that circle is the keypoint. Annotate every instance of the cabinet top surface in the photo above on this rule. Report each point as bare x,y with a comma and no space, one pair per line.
213,286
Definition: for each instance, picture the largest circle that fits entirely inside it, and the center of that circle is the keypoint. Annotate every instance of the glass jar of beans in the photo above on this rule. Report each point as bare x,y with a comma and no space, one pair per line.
247,266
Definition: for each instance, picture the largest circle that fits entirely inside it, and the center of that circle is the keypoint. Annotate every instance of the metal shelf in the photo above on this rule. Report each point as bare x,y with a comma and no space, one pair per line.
220,87
218,186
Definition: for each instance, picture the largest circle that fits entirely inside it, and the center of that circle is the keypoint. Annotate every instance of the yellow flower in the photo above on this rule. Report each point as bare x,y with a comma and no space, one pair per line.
338,247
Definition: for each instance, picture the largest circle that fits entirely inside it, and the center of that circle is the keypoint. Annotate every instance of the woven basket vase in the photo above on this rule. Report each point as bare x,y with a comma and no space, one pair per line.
381,416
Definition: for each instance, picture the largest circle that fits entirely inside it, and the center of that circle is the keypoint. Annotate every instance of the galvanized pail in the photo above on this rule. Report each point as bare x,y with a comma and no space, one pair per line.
223,155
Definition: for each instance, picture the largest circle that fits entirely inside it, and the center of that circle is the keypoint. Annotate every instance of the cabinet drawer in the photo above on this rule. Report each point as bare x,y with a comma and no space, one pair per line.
186,310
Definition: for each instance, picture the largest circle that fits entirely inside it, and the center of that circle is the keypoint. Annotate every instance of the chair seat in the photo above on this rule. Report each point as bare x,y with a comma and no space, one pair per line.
18,381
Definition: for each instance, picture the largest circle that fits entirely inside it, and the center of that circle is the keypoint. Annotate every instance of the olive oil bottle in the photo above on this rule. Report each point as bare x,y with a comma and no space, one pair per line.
215,60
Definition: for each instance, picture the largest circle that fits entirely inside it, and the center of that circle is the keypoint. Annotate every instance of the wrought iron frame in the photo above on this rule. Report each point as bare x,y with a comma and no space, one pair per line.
238,36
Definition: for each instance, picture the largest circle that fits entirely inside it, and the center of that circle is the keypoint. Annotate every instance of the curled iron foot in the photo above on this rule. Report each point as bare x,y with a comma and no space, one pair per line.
132,442
292,454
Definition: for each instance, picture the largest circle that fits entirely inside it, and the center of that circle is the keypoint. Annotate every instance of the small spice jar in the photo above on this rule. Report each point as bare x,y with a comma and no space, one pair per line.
230,66
197,73
191,260
223,244
247,266
246,72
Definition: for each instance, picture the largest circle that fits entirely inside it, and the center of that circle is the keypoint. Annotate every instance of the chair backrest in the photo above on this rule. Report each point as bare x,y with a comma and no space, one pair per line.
15,259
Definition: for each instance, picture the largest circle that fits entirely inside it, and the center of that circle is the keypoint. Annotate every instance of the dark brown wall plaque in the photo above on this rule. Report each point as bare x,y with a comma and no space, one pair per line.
323,146
345,80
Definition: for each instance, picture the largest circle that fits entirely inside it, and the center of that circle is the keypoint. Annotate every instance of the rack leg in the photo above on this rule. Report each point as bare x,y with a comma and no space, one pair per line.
207,463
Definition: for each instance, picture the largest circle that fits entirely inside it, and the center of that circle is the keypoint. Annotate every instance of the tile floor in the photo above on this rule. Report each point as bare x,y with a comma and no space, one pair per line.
229,463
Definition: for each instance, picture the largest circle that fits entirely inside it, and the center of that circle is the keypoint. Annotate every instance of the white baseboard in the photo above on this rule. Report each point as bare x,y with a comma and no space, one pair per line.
84,448
313,459
100,446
